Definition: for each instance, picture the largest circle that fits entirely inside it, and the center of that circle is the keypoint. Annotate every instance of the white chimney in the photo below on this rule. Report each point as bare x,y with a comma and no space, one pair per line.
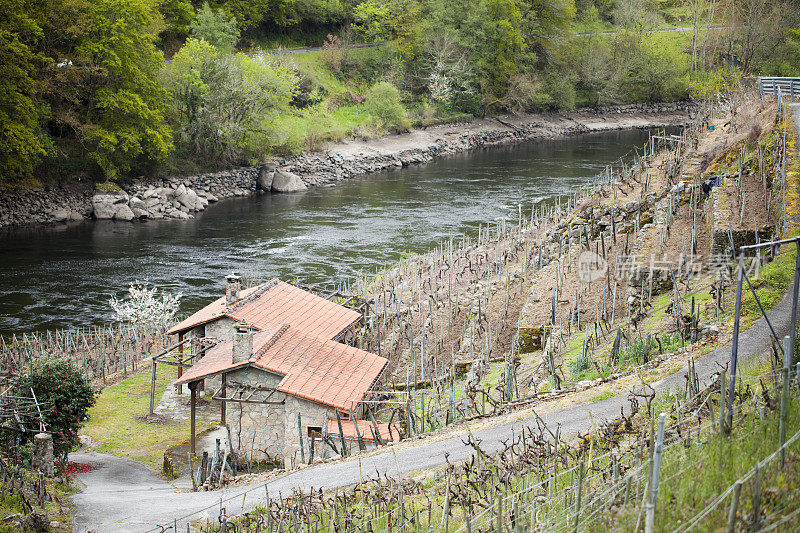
232,288
242,342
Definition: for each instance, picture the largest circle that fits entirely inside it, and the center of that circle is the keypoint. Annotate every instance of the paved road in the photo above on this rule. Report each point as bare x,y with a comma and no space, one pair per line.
290,51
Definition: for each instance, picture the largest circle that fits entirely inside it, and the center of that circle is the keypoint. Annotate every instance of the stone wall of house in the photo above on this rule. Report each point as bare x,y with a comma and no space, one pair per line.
270,431
257,428
311,414
221,328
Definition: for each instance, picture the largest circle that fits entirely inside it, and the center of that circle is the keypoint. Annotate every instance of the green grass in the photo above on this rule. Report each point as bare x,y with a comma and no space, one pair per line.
117,425
604,396
722,460
771,284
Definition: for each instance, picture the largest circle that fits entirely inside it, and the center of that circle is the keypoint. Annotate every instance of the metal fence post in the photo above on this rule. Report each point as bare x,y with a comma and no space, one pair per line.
735,342
795,294
787,362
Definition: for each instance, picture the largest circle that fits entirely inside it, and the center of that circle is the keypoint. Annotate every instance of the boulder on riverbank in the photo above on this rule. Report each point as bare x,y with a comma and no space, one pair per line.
106,204
284,181
265,176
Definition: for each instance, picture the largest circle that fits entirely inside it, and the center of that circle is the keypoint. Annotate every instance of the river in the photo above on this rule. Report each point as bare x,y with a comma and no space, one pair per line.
63,276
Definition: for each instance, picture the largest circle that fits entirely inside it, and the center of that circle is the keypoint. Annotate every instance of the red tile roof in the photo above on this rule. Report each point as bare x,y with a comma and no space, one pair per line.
366,428
314,368
275,303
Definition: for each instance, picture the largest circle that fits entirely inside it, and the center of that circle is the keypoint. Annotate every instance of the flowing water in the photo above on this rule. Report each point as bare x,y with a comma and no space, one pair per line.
63,276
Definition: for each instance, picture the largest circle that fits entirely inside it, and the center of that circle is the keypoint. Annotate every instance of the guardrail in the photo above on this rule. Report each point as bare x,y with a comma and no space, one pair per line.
785,87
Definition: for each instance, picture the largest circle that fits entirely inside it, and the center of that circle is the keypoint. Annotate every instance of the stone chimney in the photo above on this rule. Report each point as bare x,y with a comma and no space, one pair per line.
232,289
242,342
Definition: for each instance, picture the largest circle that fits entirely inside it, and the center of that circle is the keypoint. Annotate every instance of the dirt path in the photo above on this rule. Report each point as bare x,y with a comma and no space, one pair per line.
122,495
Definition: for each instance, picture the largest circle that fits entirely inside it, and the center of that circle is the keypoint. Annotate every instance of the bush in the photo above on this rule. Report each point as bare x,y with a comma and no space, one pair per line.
66,394
383,104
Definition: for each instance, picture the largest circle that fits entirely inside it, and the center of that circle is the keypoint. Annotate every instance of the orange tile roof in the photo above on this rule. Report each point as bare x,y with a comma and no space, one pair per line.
274,303
314,368
366,428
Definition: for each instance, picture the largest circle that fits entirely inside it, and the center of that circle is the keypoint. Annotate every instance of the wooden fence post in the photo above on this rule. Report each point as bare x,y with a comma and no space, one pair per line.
153,387
756,520
579,493
300,435
737,491
650,515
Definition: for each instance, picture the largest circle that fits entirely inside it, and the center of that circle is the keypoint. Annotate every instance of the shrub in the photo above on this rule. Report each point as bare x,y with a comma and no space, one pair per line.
383,104
525,94
65,392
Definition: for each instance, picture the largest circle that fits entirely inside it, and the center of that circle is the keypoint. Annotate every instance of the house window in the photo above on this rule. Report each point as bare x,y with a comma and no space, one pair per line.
315,431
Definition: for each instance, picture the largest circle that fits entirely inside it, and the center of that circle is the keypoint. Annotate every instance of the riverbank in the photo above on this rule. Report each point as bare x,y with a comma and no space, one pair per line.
182,196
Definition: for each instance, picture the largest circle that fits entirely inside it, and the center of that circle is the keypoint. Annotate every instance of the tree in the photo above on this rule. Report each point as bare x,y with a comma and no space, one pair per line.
143,308
21,143
546,23
635,14
252,14
124,118
499,52
66,394
183,78
650,69
398,21
216,28
178,16
224,103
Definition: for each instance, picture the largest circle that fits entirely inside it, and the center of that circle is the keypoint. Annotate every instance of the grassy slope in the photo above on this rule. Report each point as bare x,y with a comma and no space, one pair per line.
116,423
309,128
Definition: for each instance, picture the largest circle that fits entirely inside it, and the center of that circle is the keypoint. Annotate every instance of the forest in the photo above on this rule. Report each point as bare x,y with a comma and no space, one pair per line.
104,90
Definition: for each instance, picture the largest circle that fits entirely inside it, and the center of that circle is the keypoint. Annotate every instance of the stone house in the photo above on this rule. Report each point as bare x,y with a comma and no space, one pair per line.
266,306
278,369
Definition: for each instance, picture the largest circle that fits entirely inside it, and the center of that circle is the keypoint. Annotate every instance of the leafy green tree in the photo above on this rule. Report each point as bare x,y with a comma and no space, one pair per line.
216,27
66,394
178,16
320,12
21,143
648,68
398,21
124,121
251,15
546,24
224,103
499,52
183,78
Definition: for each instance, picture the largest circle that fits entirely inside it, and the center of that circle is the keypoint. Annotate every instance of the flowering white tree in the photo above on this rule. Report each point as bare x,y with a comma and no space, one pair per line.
144,308
439,84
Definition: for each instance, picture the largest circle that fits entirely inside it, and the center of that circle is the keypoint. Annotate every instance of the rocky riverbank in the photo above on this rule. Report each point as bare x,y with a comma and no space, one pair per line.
182,197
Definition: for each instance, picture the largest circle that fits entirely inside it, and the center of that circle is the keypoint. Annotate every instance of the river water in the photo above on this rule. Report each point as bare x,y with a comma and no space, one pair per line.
63,276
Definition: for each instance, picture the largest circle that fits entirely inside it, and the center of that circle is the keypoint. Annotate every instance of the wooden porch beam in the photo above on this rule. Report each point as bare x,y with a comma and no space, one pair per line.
193,403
